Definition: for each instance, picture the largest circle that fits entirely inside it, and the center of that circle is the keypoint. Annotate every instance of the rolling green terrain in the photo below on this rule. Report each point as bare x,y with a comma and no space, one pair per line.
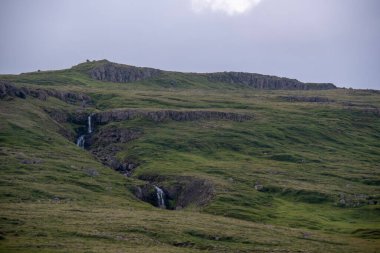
298,176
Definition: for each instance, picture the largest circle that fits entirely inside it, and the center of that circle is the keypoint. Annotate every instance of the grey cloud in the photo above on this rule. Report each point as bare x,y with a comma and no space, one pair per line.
312,40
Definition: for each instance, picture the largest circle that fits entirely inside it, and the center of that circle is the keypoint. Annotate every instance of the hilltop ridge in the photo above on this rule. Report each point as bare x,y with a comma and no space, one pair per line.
105,70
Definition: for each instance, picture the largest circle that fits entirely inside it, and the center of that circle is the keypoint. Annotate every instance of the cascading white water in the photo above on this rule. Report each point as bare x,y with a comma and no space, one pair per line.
89,124
160,197
80,141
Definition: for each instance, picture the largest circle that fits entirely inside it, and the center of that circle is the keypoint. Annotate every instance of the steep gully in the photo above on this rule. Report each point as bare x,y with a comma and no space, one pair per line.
80,143
174,192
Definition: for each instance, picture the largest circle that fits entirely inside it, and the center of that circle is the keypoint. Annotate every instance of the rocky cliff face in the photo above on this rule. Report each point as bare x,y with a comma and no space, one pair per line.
162,115
106,117
258,81
112,72
10,90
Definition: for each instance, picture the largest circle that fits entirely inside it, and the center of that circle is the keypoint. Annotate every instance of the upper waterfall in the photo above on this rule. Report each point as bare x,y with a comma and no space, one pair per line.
89,124
81,139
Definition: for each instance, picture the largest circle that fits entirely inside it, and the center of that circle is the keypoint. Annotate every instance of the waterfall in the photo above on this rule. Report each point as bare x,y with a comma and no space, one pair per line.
160,197
80,141
89,124
81,138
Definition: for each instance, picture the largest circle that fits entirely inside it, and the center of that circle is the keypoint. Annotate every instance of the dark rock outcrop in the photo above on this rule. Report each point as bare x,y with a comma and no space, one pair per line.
364,109
9,89
266,82
162,115
31,161
113,134
147,193
306,99
355,200
107,156
120,73
112,72
187,191
63,116
180,191
101,118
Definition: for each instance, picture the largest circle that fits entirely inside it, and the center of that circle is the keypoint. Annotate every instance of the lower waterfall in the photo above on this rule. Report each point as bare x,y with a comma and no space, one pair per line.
80,141
160,197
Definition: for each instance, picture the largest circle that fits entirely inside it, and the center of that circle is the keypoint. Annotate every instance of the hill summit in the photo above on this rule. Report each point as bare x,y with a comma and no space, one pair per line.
105,70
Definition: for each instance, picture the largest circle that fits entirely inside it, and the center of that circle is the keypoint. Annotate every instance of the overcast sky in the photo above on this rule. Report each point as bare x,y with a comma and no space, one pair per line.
312,40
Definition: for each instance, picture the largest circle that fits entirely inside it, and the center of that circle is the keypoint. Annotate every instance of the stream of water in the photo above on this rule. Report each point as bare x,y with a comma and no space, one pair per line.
80,141
89,124
160,197
81,138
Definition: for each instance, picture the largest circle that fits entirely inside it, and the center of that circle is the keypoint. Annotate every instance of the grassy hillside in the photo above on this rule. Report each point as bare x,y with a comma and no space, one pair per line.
298,177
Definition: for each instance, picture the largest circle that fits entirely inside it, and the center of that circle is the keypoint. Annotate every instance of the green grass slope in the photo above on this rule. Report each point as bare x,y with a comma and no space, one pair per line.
280,179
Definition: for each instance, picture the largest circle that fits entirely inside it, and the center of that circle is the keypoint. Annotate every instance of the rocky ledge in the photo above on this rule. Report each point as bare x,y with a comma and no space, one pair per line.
10,90
102,118
112,72
305,99
266,82
162,115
